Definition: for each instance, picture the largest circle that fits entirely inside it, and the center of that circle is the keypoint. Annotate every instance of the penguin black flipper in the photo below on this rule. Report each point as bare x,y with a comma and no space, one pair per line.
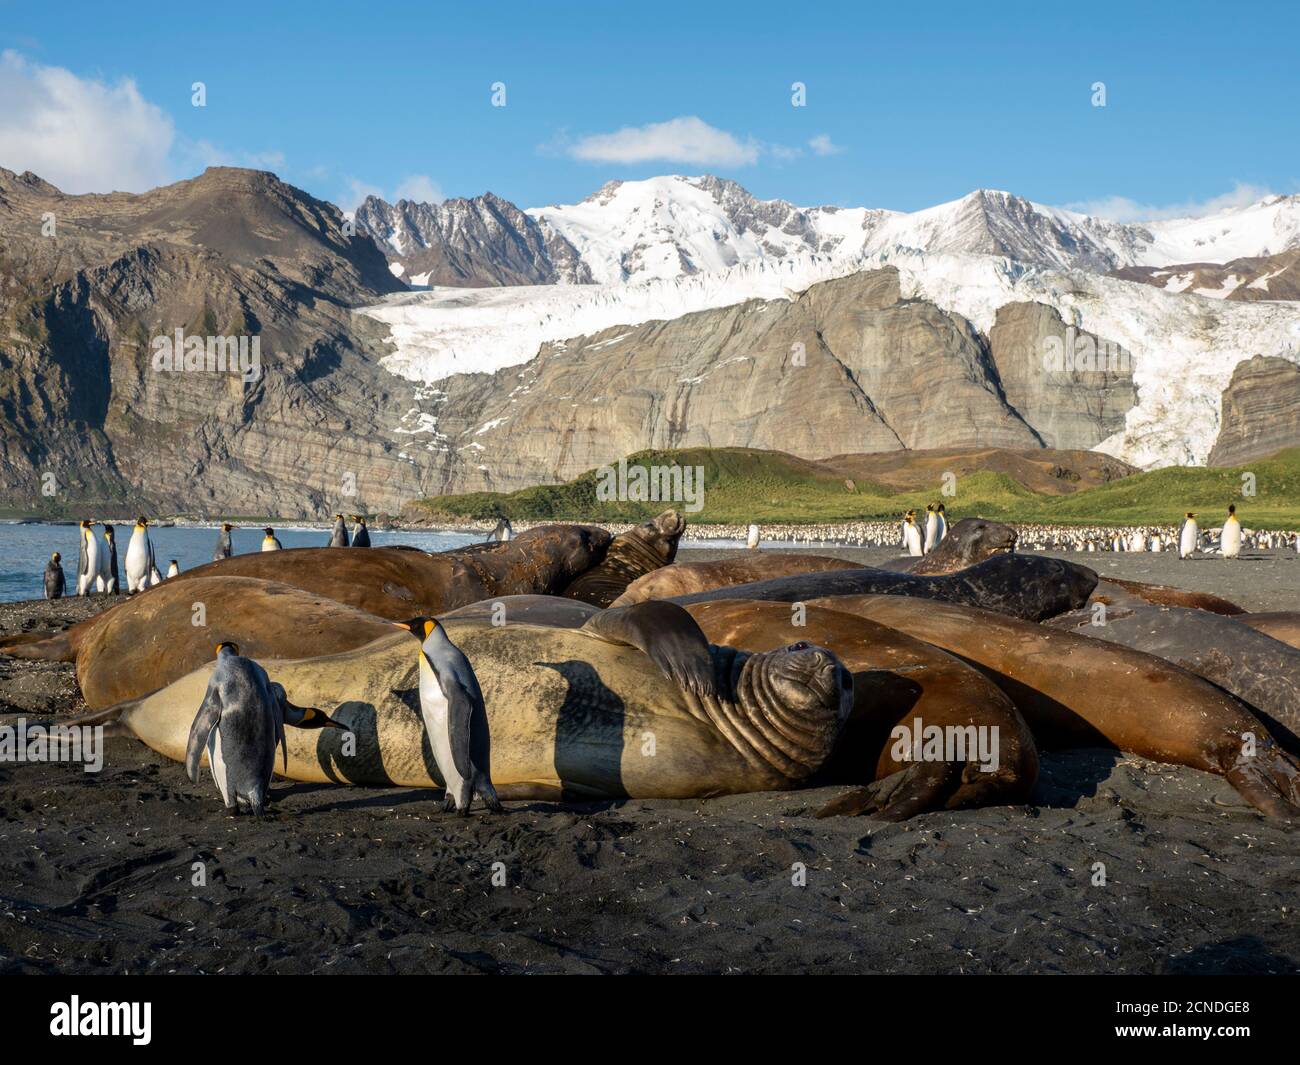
204,722
667,635
460,718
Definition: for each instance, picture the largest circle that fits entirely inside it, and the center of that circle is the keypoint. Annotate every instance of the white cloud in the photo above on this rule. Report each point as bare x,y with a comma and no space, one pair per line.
199,155
421,188
79,134
688,140
356,191
823,145
1122,209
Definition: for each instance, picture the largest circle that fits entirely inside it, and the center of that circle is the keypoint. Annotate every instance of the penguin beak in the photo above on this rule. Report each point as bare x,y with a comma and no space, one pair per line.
314,718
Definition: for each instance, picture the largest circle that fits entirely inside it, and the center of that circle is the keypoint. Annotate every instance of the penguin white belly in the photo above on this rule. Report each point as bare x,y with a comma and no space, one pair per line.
1187,543
931,533
434,711
137,564
218,763
1231,539
913,536
87,581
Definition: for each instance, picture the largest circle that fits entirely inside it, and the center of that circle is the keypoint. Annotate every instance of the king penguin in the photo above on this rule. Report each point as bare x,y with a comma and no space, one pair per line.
108,579
174,570
360,535
502,532
140,566
1188,536
943,525
269,542
87,560
54,577
752,537
931,529
339,538
912,535
455,718
223,549
1230,538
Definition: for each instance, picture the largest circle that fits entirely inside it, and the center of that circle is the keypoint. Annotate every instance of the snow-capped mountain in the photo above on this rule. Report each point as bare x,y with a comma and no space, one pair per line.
483,241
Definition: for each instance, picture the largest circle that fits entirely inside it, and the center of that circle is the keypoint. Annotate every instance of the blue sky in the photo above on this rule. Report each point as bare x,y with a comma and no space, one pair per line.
907,105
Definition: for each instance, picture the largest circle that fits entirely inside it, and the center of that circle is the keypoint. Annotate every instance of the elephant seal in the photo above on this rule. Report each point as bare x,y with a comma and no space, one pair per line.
392,583
1030,587
690,577
968,542
1257,669
153,640
1079,692
630,556
1283,625
634,704
1163,595
903,689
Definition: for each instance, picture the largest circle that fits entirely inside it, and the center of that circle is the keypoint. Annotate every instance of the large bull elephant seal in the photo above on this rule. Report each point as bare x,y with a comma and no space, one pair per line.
583,713
1079,692
631,555
687,578
1257,669
389,582
1021,586
899,683
968,543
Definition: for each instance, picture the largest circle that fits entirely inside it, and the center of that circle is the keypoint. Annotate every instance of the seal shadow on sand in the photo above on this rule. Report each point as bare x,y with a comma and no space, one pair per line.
589,707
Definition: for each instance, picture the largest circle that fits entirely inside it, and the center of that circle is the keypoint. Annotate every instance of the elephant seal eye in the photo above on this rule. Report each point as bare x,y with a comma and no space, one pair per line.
802,645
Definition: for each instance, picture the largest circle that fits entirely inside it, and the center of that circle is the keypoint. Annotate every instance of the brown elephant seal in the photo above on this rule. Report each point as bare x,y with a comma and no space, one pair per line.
154,640
686,578
1282,625
1031,587
1079,692
630,556
392,583
1257,669
1163,595
969,542
583,713
906,693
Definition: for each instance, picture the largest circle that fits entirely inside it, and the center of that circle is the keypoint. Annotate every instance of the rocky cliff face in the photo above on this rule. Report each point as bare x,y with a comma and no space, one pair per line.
1074,388
1261,411
848,366
1257,277
480,242
85,408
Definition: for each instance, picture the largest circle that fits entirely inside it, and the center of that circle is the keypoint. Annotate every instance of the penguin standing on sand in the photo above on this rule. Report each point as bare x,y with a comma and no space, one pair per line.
339,538
912,535
269,542
502,532
752,537
943,525
54,577
108,579
455,718
87,560
174,569
140,566
1189,536
223,549
360,535
931,529
1230,538
239,724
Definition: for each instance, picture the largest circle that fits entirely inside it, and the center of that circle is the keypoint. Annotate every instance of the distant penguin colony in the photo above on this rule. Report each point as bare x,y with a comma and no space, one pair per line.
54,577
360,534
455,718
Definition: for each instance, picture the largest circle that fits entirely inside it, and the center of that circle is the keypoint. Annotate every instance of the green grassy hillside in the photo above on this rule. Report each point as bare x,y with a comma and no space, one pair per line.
743,485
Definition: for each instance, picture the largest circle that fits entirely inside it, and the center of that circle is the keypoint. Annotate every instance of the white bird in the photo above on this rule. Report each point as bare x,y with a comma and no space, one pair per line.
912,535
1188,536
1230,538
140,566
751,537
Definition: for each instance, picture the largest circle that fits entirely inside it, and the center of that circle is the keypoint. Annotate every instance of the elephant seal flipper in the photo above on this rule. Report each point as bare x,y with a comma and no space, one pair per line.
667,635
919,788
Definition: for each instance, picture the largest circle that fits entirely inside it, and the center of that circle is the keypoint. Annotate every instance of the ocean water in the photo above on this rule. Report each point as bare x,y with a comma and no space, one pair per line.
25,549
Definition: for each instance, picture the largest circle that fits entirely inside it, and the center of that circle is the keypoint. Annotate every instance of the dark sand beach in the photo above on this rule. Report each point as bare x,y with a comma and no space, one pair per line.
99,869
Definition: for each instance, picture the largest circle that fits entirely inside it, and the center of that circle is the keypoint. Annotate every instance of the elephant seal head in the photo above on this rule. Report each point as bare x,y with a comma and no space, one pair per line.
969,541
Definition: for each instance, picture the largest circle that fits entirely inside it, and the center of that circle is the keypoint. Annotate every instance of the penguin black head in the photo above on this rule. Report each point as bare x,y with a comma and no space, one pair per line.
269,531
1232,508
141,522
1189,515
56,557
173,562
421,628
940,508
226,526
358,517
227,645
109,532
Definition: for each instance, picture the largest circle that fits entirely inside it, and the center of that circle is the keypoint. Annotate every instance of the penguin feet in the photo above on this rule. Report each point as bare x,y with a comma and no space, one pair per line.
449,804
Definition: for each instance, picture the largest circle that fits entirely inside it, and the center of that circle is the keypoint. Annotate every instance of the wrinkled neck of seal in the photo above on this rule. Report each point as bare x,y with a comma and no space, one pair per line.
788,743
